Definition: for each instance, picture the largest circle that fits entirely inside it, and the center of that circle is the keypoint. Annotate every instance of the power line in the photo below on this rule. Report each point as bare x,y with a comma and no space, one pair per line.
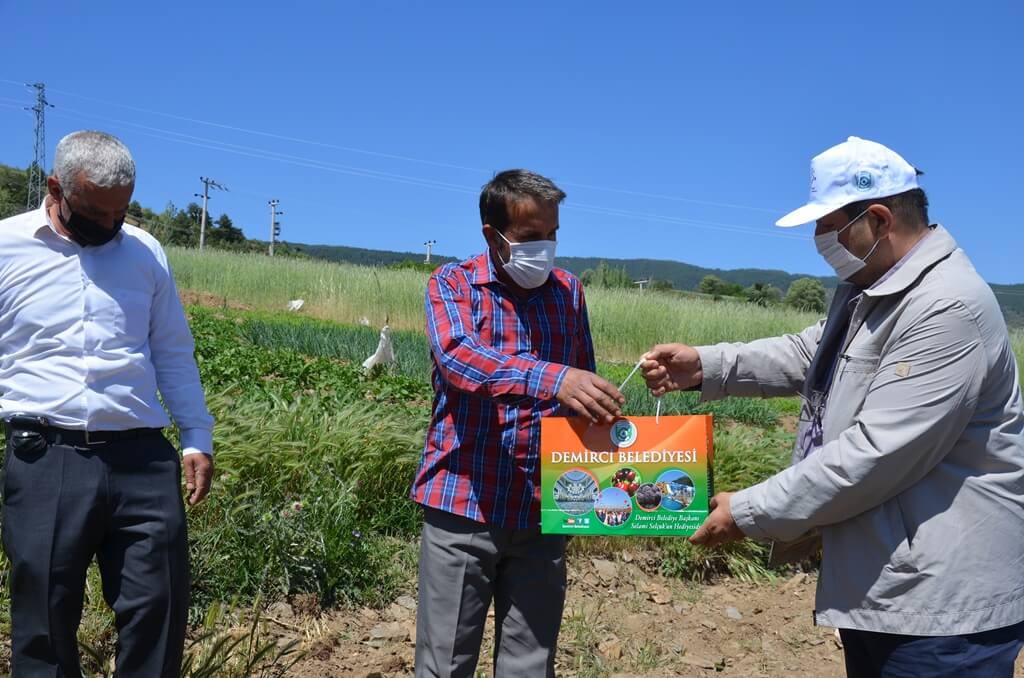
395,156
265,154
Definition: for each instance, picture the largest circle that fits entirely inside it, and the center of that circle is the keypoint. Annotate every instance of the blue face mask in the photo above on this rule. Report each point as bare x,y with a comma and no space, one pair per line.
85,231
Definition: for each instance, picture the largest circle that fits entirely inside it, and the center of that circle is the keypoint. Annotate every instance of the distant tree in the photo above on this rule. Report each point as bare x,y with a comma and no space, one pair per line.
225,233
763,294
661,285
605,276
806,294
13,191
715,286
711,284
176,227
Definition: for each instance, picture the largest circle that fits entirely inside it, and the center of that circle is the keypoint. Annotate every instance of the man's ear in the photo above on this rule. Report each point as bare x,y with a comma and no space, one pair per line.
492,237
882,220
53,187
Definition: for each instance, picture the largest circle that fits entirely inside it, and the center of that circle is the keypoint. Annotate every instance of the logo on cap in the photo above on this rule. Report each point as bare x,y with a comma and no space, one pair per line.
864,181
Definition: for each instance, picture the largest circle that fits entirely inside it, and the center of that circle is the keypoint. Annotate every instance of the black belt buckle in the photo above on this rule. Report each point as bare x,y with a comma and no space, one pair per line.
92,442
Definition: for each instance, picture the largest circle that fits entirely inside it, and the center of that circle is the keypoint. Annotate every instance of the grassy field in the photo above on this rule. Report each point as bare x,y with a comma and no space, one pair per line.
625,323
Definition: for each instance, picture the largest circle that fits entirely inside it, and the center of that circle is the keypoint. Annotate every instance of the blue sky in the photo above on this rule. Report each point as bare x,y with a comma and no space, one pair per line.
679,130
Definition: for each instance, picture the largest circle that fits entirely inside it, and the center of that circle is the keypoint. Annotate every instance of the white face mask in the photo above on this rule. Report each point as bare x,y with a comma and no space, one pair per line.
529,263
845,264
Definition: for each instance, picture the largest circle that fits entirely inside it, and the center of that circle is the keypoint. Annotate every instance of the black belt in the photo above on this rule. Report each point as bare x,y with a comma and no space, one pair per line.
67,436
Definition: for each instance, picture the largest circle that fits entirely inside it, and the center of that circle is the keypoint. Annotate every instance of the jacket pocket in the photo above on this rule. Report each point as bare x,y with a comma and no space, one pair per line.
859,364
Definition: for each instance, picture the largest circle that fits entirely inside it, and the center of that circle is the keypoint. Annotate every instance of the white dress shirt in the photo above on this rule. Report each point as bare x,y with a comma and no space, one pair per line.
89,334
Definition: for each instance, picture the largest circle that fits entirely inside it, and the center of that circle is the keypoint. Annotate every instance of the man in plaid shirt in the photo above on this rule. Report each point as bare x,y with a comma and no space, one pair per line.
511,343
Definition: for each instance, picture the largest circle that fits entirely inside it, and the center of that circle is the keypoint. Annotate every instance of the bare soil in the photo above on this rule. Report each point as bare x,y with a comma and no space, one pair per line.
620,621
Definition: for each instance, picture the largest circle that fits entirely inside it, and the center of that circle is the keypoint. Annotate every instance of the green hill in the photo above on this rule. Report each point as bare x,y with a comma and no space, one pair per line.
364,257
1011,298
682,276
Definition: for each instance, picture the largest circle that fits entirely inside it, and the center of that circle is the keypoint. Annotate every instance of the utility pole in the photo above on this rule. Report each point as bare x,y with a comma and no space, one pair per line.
36,173
275,227
207,183
430,244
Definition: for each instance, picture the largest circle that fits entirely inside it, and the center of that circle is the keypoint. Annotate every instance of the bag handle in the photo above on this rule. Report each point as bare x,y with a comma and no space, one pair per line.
657,407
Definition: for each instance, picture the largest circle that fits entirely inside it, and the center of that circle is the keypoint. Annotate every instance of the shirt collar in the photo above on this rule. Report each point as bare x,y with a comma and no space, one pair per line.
483,269
934,247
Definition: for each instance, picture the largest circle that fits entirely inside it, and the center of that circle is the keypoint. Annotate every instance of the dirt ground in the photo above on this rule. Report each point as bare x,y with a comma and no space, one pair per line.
620,621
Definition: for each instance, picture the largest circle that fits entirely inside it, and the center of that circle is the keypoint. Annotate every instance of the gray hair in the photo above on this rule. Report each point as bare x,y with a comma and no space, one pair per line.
94,156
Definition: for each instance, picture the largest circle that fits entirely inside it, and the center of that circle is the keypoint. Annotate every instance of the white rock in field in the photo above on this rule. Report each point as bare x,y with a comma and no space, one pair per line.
364,321
385,352
295,304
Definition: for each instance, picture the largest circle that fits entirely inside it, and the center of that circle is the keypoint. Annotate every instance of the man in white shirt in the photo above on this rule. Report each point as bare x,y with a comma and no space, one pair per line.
91,329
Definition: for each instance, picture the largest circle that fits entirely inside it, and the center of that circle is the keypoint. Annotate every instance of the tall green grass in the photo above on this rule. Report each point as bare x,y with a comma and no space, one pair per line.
354,344
624,323
339,292
314,459
343,342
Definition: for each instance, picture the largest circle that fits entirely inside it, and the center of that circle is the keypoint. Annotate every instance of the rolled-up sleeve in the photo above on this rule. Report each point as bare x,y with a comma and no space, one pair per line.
177,375
921,398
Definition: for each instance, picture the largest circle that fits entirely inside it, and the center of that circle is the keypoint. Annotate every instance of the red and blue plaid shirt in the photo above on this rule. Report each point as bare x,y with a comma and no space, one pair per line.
499,360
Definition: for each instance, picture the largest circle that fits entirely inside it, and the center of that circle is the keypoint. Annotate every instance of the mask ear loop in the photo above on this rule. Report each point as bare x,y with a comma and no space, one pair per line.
657,407
504,263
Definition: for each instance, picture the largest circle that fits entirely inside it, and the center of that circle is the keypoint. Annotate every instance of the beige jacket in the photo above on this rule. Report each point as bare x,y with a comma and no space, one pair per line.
918,489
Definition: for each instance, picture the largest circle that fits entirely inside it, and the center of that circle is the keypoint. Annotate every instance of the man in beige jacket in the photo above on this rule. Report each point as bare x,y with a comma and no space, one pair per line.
910,454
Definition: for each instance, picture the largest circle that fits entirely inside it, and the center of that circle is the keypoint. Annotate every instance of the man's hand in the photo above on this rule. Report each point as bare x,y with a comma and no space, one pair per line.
590,395
198,475
719,528
672,367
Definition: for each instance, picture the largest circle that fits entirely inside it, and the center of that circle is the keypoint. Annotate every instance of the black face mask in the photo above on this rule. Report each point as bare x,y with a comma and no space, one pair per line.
87,232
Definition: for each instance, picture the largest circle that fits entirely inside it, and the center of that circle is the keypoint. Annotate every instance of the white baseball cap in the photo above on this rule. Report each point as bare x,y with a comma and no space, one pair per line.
854,170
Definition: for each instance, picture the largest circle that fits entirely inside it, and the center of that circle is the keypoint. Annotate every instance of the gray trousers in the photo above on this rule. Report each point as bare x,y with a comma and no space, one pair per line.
463,566
120,503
